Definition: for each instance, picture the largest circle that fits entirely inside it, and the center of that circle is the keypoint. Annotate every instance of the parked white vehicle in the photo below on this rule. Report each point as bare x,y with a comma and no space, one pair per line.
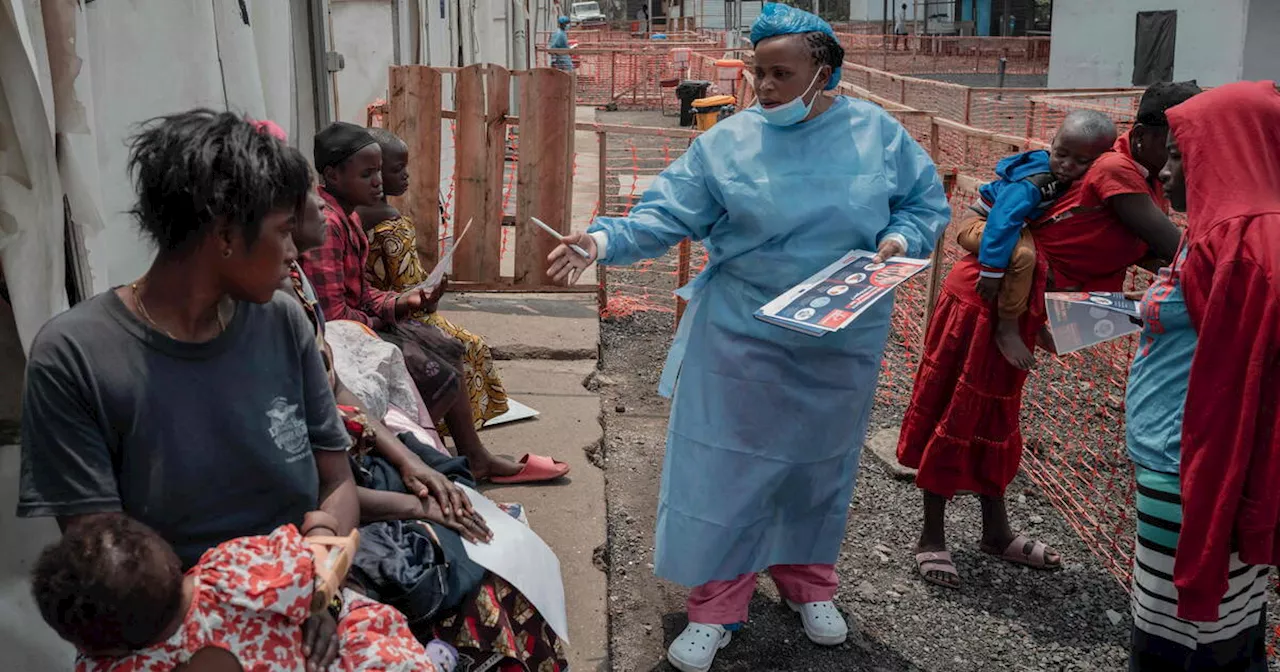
587,14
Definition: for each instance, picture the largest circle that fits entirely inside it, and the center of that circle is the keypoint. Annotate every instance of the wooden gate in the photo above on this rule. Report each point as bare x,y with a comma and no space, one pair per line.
544,167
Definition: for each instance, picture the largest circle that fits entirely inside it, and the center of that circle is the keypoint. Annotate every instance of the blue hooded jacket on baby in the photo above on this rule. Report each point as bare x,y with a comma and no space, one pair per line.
1025,188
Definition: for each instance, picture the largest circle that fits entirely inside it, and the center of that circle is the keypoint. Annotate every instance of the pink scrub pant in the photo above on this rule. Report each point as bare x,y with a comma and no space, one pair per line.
725,602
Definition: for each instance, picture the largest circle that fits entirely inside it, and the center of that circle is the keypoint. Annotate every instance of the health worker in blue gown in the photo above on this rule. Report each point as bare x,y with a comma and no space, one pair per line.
767,424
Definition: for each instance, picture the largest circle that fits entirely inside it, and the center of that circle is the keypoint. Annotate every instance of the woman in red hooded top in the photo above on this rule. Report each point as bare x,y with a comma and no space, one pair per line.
961,428
1203,394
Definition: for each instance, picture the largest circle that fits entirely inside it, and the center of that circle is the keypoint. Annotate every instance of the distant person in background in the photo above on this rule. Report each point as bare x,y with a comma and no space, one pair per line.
900,28
1201,405
560,40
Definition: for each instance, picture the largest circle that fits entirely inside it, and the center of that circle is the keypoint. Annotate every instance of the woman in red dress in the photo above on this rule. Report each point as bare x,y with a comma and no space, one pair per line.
961,429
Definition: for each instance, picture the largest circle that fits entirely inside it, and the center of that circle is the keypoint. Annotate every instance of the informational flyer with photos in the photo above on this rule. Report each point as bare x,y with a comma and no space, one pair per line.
835,296
1078,320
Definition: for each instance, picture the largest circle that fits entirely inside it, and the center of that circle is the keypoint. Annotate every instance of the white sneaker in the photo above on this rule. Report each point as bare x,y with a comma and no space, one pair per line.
695,649
823,623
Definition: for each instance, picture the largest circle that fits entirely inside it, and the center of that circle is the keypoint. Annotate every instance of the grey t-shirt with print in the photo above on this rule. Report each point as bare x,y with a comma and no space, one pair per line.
204,442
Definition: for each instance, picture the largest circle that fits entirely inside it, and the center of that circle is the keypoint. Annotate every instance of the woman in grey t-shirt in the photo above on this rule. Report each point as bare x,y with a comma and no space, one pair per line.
193,399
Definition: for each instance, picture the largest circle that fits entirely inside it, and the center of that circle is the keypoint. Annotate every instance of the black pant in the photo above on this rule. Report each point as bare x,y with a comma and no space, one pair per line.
1246,652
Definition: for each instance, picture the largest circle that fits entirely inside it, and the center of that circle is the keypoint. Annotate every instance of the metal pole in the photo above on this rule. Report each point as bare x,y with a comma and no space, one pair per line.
602,146
1000,76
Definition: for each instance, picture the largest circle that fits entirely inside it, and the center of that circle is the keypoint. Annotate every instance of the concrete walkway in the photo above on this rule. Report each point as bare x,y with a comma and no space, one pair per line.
548,345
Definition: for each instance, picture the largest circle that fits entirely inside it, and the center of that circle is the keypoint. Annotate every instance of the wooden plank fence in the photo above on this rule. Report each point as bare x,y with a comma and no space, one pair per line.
482,116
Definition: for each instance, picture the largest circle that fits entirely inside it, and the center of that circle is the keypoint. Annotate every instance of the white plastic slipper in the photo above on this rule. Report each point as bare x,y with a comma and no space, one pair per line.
695,649
823,623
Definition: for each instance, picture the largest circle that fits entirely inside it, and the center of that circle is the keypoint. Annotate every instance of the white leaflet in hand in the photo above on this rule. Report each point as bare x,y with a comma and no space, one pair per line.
520,556
438,272
557,235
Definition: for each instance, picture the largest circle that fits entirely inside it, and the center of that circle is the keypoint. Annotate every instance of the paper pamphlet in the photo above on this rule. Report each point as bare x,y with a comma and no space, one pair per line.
835,296
1078,320
446,259
523,559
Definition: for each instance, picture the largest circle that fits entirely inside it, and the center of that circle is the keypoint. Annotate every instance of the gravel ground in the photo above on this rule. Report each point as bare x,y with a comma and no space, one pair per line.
1005,618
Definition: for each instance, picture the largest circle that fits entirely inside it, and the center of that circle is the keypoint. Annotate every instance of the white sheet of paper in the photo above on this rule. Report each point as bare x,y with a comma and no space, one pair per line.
520,556
516,411
445,261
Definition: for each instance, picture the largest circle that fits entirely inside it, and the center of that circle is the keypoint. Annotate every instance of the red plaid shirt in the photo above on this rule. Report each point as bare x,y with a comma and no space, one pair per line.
336,270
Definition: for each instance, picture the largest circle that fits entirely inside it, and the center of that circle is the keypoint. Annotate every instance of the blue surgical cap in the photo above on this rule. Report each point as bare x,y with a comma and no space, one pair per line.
778,19
564,20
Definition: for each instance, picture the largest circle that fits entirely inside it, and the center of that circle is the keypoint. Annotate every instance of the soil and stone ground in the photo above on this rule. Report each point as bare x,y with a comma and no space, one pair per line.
1005,617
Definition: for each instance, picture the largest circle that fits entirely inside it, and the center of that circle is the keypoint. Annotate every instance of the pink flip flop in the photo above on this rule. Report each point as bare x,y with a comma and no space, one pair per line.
537,469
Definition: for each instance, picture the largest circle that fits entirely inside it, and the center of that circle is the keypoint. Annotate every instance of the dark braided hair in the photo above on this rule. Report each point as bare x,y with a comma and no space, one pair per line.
1161,96
198,167
110,583
826,50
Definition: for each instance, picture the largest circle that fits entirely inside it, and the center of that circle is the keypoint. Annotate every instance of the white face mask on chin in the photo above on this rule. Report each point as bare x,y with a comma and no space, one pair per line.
793,111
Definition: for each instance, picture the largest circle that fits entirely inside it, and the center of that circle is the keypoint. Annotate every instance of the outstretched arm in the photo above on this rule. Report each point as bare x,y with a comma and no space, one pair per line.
679,205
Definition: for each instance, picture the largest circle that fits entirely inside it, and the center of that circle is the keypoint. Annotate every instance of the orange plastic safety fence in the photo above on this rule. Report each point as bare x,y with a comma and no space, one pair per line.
631,163
640,75
1045,112
911,54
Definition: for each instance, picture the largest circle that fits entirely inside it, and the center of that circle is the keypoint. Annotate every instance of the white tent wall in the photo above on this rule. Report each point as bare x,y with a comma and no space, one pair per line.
363,34
207,55
79,75
31,255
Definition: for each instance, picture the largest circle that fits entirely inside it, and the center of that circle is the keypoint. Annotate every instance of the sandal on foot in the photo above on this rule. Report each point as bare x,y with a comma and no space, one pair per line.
1016,553
937,561
695,649
823,623
534,469
333,558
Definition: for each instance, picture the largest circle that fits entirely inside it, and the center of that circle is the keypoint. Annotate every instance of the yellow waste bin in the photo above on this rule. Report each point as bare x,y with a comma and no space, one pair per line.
706,111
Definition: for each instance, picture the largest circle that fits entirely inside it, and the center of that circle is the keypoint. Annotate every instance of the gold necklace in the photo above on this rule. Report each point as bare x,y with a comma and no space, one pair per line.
137,298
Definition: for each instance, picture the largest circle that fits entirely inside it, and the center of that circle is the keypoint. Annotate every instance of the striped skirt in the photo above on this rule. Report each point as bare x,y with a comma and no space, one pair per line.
1161,640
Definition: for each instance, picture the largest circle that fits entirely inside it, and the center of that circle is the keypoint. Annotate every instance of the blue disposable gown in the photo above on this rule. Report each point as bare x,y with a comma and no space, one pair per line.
560,40
767,424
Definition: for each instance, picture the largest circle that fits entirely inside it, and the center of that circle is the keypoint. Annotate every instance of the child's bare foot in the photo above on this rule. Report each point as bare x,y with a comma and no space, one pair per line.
1011,346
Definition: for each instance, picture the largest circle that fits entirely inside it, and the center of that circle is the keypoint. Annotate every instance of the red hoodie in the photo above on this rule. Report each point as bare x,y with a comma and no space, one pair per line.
1230,143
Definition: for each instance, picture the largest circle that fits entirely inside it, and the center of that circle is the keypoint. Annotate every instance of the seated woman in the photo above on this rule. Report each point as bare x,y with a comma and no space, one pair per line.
394,266
349,161
195,399
115,589
398,485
